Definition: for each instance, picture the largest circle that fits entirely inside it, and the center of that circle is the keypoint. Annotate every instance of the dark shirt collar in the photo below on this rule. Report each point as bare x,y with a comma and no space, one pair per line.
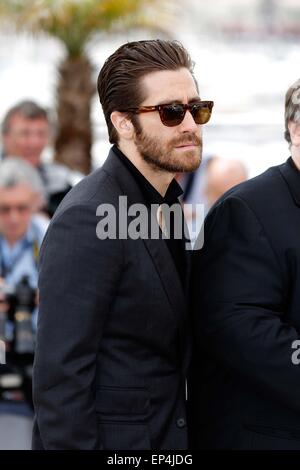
294,167
151,195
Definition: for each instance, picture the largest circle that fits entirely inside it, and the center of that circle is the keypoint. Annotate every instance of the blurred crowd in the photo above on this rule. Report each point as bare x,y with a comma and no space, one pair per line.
30,191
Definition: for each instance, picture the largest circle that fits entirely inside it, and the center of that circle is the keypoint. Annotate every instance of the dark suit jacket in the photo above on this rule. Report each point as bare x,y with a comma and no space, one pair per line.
244,387
112,347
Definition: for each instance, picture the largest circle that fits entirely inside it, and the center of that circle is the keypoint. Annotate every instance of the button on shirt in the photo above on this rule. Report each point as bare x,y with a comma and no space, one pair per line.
152,196
180,423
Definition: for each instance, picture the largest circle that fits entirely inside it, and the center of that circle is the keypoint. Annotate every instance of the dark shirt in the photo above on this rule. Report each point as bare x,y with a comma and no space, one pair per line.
152,196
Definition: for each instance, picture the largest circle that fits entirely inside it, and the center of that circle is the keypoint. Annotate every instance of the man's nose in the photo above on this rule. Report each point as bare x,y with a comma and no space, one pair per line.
14,217
188,124
35,139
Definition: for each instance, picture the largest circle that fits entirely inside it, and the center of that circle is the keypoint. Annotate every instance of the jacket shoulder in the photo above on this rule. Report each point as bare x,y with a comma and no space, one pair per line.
260,190
94,189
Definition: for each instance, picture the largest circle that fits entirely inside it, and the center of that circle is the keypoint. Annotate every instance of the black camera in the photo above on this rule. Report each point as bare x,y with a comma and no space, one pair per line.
17,332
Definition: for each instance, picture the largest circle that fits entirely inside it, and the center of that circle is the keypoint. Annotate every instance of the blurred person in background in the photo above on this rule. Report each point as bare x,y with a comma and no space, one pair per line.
21,234
215,176
26,132
245,376
21,228
221,174
113,339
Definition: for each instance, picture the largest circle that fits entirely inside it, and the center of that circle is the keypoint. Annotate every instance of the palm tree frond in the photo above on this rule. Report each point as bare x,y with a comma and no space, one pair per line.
74,21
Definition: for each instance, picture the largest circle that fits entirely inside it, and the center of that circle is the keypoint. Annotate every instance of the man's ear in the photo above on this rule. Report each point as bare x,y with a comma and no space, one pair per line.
122,124
294,129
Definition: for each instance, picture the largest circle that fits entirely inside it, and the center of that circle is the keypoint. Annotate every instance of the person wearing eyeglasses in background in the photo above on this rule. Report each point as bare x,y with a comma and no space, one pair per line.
245,375
113,340
22,229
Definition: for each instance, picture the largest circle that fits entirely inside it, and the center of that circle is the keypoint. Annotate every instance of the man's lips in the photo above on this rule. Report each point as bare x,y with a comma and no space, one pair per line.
187,145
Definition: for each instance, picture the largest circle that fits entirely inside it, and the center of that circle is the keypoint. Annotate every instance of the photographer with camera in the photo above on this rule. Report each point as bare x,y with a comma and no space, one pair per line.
21,233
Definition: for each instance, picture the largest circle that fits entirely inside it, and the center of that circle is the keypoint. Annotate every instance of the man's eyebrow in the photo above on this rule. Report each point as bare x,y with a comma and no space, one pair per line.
175,101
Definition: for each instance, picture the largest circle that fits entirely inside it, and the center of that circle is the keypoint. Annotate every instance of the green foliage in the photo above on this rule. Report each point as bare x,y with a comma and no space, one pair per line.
75,21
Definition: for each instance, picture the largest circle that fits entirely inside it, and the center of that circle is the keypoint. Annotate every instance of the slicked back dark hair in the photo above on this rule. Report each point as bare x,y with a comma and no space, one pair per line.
119,80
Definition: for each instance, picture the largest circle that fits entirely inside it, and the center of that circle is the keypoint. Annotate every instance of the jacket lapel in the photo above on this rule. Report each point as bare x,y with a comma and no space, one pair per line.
158,251
157,248
167,272
171,282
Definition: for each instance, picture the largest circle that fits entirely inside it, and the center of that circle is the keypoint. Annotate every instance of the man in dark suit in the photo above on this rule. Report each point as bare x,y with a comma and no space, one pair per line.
245,378
112,343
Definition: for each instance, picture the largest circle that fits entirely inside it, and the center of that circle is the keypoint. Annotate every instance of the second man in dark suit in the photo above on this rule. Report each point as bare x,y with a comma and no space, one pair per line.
245,379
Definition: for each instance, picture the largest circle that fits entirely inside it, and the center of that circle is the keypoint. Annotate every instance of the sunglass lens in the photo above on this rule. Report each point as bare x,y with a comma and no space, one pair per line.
201,114
172,115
